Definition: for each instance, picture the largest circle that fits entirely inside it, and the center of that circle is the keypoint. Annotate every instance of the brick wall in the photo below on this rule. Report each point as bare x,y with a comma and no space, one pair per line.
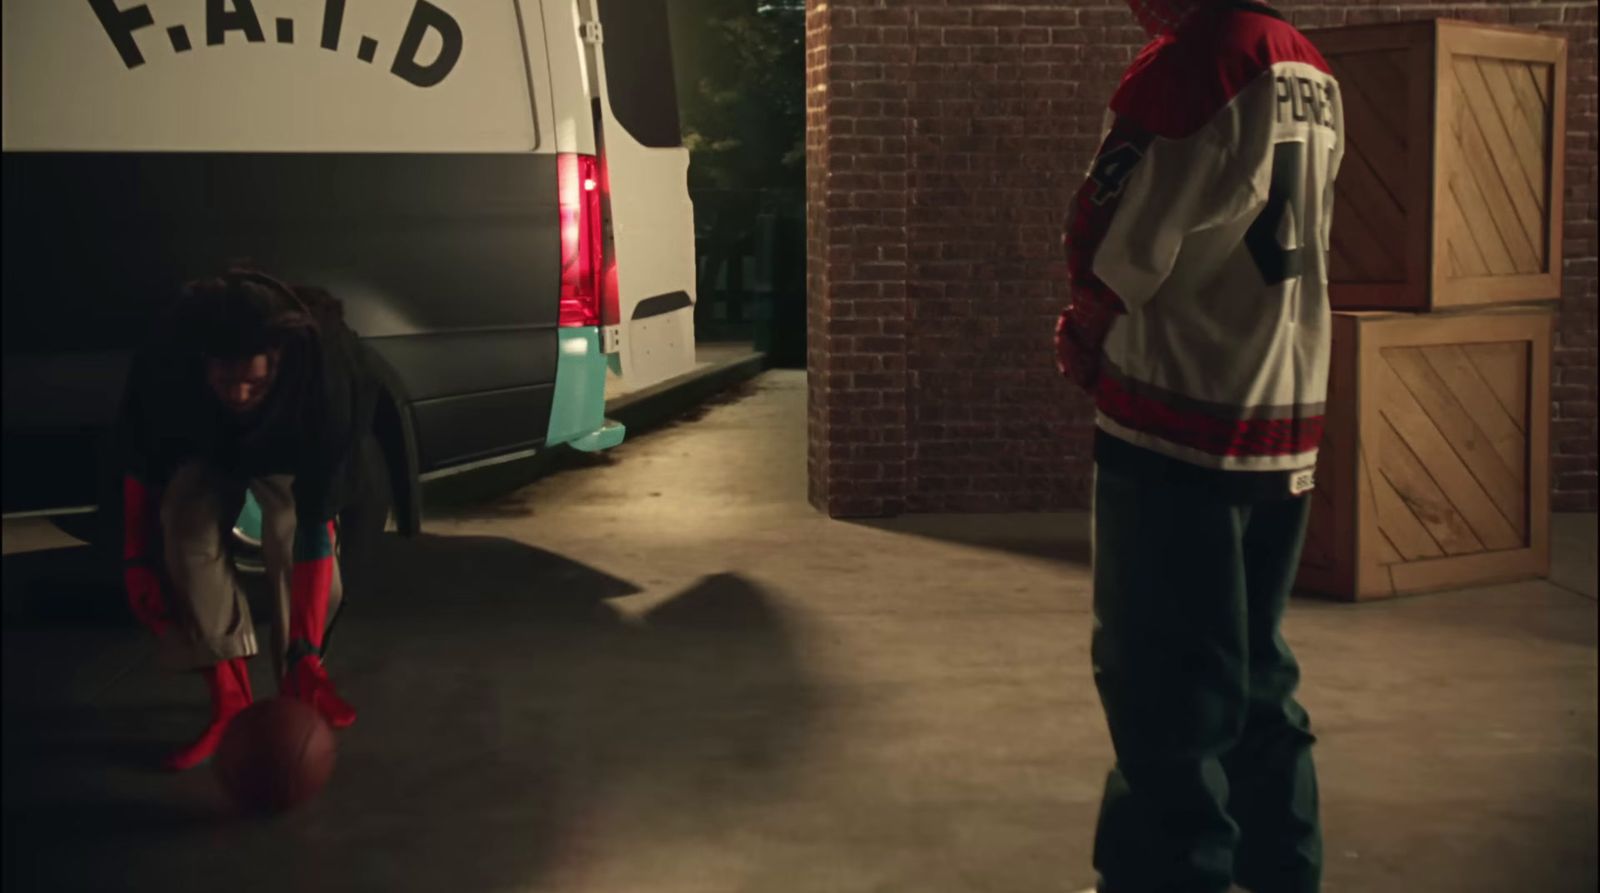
944,138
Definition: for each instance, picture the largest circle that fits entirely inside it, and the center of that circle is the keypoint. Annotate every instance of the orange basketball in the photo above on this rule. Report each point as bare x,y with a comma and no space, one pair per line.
275,755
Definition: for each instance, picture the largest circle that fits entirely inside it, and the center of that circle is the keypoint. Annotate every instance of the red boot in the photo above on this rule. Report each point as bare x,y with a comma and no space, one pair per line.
308,680
310,590
230,693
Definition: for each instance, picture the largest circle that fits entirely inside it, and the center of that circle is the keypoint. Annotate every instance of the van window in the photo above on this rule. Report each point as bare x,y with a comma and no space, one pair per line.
289,76
639,78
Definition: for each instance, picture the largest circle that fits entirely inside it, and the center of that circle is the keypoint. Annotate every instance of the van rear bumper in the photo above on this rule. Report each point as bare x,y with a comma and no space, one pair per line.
609,435
577,410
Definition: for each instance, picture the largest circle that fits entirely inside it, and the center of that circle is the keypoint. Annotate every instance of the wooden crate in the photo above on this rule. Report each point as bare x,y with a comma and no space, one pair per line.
1451,189
1434,472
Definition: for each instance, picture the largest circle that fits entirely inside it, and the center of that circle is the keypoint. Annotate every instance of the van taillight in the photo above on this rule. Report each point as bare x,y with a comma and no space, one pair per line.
610,314
580,239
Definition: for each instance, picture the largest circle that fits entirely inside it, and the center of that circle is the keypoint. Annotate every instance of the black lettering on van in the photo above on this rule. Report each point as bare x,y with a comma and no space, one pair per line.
332,21
220,20
424,17
120,25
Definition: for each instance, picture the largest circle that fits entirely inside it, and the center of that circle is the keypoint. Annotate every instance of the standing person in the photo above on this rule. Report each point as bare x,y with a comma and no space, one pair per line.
1199,321
250,386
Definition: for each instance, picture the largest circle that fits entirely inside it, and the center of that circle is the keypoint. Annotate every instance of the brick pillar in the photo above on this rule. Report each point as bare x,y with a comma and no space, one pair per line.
942,143
857,71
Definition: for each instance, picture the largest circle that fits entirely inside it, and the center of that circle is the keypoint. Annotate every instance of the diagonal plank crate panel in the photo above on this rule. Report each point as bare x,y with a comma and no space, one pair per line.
1467,382
1409,497
1499,156
1449,437
1434,469
1451,190
1373,183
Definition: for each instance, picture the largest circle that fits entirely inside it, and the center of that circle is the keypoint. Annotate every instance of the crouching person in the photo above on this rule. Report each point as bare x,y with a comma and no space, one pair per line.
250,386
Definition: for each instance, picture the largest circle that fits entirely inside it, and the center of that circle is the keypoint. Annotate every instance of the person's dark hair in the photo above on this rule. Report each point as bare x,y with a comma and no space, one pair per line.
244,311
321,303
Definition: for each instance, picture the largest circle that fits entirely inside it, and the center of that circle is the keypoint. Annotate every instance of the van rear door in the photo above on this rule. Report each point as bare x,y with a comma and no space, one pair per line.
650,239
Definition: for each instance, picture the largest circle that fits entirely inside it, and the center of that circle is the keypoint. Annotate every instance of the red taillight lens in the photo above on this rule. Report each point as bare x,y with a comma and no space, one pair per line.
580,239
610,314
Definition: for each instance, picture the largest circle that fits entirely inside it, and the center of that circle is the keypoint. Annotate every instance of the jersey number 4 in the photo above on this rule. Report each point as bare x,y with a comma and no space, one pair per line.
1111,171
1285,205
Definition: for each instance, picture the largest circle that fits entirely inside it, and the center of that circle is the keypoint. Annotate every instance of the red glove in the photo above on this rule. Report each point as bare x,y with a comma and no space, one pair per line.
140,580
144,597
1080,335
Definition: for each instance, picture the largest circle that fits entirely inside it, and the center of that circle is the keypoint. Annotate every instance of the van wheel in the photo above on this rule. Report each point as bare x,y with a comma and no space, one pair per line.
358,525
247,558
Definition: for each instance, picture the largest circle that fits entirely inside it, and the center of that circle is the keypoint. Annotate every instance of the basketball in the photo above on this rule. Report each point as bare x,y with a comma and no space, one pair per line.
275,755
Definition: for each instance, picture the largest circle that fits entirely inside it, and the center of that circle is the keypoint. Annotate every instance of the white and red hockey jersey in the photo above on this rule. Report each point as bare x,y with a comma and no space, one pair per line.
1197,250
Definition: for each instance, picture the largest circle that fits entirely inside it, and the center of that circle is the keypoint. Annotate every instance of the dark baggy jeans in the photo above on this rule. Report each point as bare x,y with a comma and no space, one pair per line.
1213,781
213,618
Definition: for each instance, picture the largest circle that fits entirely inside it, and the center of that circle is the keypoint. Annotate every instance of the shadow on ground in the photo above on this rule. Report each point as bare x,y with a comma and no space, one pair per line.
515,724
1060,537
73,586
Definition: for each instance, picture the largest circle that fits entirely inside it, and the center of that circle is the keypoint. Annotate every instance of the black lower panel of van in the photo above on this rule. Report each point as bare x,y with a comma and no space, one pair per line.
452,261
462,427
54,468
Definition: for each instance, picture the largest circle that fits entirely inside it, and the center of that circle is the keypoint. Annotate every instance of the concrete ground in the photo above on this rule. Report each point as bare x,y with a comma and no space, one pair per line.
665,673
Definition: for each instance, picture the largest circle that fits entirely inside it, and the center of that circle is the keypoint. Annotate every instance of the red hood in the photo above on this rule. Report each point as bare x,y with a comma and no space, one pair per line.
1163,16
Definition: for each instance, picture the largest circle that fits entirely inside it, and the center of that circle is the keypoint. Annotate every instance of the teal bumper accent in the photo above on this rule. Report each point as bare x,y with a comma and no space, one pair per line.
578,409
609,435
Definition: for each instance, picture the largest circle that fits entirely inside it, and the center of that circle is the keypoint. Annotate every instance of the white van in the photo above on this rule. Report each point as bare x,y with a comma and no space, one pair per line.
496,189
